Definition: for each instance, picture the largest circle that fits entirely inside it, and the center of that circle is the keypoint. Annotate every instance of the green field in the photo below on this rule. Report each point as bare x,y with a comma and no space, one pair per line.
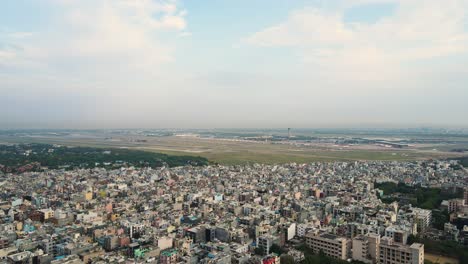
236,152
259,156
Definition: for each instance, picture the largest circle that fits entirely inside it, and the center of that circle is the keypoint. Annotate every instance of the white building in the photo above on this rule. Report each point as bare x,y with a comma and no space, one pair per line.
399,234
422,218
391,253
291,231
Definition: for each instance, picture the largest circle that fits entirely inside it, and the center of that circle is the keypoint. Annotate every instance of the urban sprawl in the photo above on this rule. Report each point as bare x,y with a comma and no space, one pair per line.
227,214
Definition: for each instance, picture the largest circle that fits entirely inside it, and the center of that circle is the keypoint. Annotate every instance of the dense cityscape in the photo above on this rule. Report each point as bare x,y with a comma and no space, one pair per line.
322,212
234,131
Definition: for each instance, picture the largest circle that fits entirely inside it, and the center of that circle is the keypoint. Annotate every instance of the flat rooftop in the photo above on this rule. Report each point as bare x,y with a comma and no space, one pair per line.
416,245
329,236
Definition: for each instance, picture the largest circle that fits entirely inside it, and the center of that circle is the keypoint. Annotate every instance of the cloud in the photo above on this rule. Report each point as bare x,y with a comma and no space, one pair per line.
6,54
417,31
93,59
303,28
108,36
153,14
120,63
185,34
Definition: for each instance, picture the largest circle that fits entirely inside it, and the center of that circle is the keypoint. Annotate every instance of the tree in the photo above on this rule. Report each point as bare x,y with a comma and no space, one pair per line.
276,249
439,218
259,251
286,259
411,239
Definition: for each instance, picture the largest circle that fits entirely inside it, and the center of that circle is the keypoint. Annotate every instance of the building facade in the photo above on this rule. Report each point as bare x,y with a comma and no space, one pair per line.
391,253
331,245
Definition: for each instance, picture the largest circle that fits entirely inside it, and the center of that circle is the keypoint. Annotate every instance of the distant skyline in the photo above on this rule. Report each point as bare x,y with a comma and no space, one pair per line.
233,64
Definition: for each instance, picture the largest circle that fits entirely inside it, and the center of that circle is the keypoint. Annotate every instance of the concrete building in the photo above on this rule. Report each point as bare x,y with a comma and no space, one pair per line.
455,204
374,246
399,234
110,242
165,243
290,231
465,195
4,242
265,242
332,245
48,213
360,249
422,218
168,256
391,253
197,234
301,230
365,248
19,258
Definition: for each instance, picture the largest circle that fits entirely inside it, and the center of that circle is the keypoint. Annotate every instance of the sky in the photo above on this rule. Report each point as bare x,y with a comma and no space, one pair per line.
233,64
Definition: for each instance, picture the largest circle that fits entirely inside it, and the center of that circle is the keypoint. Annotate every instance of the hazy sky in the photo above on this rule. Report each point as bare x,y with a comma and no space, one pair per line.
236,63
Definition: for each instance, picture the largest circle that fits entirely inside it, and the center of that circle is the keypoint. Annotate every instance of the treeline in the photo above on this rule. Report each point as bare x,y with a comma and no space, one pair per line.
442,247
463,161
427,198
16,157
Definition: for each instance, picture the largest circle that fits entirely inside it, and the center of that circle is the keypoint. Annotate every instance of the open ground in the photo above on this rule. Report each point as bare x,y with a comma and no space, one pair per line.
234,151
440,259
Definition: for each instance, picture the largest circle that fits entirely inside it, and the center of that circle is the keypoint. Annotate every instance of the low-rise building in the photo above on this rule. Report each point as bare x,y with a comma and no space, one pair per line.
391,253
331,245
